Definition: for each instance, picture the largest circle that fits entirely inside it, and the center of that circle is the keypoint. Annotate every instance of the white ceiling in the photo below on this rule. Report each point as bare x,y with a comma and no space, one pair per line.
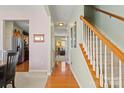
61,13
24,24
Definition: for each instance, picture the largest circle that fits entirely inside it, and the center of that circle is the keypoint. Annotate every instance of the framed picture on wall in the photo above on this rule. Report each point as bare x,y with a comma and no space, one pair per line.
39,38
75,34
72,37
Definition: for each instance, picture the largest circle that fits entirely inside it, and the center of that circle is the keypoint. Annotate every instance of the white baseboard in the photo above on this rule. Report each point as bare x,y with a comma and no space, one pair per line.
38,71
75,76
42,71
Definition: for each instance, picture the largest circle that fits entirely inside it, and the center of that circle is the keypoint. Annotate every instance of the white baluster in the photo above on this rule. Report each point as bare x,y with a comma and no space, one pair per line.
105,69
101,68
85,37
88,42
93,51
112,70
84,34
97,56
120,74
91,55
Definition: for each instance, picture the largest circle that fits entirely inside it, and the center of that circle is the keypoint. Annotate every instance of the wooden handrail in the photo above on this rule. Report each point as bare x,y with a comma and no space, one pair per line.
115,50
108,13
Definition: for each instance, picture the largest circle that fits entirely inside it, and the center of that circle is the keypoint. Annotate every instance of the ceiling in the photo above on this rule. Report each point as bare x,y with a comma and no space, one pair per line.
61,13
24,24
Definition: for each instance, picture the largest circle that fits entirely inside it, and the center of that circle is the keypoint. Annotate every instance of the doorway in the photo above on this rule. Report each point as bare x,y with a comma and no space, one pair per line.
61,48
16,39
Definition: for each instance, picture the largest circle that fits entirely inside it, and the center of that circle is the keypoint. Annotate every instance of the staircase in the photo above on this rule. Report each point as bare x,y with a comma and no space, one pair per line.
104,59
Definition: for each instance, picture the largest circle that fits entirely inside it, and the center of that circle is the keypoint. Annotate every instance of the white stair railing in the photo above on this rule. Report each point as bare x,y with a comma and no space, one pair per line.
94,59
97,55
120,73
86,39
101,63
91,51
84,35
105,69
112,70
88,54
96,47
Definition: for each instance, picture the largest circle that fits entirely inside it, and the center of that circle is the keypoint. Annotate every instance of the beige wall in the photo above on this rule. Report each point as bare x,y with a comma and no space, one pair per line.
39,23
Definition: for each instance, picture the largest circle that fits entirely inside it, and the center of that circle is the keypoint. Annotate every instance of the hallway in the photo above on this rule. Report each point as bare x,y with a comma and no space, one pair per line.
61,77
75,46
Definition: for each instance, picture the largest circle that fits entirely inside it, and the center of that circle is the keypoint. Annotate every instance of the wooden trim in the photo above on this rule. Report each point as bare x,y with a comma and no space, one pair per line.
109,44
109,14
93,73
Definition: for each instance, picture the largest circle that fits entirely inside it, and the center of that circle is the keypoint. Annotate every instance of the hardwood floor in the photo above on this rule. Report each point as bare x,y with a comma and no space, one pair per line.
61,77
24,67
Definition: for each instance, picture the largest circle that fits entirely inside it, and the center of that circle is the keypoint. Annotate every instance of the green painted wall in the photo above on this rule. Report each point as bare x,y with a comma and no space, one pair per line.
112,28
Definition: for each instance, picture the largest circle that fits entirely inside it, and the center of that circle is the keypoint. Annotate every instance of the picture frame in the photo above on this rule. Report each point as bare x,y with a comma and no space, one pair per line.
38,38
75,34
